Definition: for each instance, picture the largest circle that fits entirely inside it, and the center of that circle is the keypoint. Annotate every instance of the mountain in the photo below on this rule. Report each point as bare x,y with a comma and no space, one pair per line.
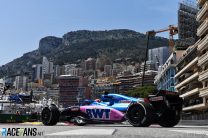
78,45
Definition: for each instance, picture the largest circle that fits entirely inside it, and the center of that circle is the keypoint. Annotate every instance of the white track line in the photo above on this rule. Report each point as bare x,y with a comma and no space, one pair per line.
201,132
85,132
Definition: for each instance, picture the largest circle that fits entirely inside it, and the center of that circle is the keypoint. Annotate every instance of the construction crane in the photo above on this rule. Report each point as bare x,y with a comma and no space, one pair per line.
173,30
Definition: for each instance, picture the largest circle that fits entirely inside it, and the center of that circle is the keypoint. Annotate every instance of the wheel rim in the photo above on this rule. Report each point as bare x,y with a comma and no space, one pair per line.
79,121
137,114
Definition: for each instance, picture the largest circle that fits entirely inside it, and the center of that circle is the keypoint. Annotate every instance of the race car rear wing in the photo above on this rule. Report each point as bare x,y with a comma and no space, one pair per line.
166,99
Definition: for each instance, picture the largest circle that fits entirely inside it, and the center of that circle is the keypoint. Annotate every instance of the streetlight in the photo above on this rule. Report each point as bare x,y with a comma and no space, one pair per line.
149,33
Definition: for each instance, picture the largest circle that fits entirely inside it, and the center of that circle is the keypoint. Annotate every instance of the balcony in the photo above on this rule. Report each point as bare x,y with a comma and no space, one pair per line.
202,14
203,44
195,107
192,77
201,2
203,92
190,93
203,59
193,62
194,103
203,75
202,28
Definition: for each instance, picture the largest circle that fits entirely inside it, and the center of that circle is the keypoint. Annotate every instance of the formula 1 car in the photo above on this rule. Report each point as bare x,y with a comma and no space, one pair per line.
163,108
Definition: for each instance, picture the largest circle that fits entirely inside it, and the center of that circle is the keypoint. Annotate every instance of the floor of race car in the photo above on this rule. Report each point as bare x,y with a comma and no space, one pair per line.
114,130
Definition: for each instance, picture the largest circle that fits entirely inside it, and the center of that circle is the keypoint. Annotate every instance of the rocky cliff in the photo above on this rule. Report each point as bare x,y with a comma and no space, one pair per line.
78,45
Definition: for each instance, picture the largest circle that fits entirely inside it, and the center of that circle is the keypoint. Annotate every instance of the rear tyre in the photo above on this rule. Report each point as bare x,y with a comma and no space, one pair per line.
50,115
169,118
140,114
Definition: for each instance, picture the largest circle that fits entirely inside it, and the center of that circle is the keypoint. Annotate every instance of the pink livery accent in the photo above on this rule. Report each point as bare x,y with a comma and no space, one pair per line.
102,113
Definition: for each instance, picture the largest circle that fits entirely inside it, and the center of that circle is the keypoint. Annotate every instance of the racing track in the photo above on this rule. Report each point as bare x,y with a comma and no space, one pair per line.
115,130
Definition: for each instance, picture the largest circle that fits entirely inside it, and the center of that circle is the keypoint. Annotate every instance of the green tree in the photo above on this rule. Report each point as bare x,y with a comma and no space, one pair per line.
142,92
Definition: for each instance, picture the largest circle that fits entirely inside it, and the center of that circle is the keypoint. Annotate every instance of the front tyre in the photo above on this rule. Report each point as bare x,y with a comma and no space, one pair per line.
50,115
140,114
169,118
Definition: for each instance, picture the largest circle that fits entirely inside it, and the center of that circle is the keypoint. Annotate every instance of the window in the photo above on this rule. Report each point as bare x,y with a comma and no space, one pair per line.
171,61
204,51
206,84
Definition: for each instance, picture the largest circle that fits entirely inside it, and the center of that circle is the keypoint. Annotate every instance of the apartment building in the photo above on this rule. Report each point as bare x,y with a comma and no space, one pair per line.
68,90
107,70
192,71
165,79
187,84
187,24
36,72
21,83
158,55
47,67
202,33
127,82
150,65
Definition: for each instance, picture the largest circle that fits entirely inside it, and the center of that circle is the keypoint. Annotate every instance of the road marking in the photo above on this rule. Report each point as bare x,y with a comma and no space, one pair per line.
85,132
40,123
201,132
64,124
192,126
32,123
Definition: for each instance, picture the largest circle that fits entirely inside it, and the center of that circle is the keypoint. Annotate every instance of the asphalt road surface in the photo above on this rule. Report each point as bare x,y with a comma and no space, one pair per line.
113,130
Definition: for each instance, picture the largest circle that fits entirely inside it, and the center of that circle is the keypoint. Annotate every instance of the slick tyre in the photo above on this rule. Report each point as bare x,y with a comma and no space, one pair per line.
140,114
169,118
50,115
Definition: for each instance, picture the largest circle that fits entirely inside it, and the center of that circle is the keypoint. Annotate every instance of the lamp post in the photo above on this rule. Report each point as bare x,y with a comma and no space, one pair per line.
145,60
149,33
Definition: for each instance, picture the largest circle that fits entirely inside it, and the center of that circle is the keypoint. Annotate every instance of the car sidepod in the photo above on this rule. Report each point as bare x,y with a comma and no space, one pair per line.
103,113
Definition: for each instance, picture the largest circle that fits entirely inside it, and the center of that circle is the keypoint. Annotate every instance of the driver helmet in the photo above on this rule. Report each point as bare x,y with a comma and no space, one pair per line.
87,102
97,100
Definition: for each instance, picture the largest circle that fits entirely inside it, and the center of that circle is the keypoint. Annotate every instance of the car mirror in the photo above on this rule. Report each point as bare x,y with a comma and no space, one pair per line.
111,103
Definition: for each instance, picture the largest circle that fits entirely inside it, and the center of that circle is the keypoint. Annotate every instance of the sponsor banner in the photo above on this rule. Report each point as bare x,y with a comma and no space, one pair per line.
98,113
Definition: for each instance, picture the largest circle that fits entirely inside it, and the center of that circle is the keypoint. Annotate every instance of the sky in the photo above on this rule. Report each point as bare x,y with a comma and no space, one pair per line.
24,22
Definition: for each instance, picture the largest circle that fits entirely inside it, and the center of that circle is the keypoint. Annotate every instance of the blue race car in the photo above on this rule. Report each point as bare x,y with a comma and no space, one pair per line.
116,101
163,108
